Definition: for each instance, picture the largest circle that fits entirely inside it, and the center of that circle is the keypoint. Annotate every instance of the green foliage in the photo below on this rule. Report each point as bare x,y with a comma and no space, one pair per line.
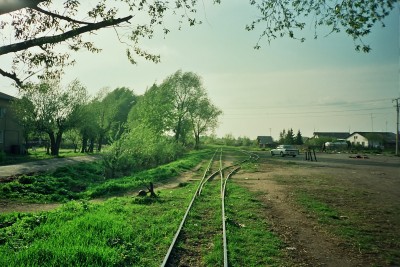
119,232
87,180
64,184
47,107
139,149
179,105
288,137
287,18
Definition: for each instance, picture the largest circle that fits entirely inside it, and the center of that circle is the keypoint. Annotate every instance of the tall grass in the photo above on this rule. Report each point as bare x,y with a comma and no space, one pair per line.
86,181
120,232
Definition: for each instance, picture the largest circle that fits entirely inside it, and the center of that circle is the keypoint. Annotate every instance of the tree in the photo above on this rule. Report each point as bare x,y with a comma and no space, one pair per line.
50,109
282,136
186,89
289,138
179,105
299,138
204,117
356,18
111,113
41,29
153,110
43,34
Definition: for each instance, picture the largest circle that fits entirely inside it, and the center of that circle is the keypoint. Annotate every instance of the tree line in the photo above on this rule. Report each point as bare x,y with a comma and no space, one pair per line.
141,130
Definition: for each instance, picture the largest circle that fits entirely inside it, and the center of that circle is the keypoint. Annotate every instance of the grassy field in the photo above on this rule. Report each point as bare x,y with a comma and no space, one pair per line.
122,230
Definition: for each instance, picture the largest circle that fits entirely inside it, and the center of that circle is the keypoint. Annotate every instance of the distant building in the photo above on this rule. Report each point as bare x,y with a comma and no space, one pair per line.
372,139
334,135
11,133
264,141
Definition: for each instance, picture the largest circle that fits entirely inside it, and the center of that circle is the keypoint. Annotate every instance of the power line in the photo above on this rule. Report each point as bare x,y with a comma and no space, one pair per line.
236,107
310,112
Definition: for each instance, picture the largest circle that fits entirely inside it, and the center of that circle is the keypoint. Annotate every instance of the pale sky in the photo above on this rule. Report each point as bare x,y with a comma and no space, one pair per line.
318,85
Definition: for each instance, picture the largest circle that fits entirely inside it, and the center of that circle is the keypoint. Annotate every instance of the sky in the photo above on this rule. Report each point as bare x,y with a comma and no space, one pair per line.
320,85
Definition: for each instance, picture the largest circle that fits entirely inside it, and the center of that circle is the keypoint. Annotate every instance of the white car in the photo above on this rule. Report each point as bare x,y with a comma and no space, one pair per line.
285,150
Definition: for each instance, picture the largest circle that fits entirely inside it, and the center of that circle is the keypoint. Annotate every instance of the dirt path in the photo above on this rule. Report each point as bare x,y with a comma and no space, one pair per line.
42,165
309,243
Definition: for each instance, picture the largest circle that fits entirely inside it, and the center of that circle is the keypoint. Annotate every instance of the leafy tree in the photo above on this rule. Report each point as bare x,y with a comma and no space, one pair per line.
112,113
153,110
74,137
51,109
179,105
39,28
186,89
204,117
299,138
229,139
356,18
88,126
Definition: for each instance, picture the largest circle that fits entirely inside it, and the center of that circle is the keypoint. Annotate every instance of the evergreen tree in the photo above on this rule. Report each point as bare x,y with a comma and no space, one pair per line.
299,138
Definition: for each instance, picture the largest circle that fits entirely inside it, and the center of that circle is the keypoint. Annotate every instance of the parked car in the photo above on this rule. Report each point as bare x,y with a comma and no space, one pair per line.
285,150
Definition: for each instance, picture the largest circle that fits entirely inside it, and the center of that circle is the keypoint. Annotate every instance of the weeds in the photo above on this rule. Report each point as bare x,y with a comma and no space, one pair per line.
87,181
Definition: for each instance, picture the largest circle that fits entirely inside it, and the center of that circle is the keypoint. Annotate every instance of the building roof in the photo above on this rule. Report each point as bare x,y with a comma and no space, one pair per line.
338,135
265,140
6,97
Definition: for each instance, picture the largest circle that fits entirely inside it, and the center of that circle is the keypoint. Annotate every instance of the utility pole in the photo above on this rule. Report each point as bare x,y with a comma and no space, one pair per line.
397,124
372,122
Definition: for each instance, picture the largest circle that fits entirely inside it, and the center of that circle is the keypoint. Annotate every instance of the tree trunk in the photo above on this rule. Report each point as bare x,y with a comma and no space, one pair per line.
100,142
55,142
196,141
84,143
178,130
91,145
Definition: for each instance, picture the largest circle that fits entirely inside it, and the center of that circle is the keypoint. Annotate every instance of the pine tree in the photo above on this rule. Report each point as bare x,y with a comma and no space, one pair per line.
299,138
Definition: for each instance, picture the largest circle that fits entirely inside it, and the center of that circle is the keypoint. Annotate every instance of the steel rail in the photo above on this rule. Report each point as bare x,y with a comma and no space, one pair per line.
198,192
225,247
166,258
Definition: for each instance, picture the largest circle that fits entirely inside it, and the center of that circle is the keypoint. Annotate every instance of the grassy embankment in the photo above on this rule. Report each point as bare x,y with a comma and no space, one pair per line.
121,231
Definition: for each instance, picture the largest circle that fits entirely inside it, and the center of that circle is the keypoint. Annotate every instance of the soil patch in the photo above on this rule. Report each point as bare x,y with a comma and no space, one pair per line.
371,191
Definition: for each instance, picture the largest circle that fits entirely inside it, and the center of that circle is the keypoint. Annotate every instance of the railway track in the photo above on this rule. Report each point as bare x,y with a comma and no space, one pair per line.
198,231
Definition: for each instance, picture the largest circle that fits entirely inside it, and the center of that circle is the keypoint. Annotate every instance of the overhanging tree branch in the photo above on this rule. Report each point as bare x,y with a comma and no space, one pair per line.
61,37
12,76
14,5
59,16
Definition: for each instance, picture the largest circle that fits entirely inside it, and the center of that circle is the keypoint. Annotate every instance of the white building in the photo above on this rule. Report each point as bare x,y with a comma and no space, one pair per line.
372,139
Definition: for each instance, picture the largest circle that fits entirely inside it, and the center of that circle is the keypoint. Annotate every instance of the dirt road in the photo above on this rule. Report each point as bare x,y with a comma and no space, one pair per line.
368,188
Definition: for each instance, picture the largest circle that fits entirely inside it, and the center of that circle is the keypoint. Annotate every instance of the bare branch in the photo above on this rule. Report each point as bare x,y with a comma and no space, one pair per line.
59,16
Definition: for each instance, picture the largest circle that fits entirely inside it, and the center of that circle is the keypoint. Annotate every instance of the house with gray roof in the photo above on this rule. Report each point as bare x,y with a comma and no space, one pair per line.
264,141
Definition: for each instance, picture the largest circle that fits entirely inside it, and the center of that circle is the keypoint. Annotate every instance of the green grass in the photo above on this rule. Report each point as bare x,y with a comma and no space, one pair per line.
250,240
86,181
133,231
119,232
